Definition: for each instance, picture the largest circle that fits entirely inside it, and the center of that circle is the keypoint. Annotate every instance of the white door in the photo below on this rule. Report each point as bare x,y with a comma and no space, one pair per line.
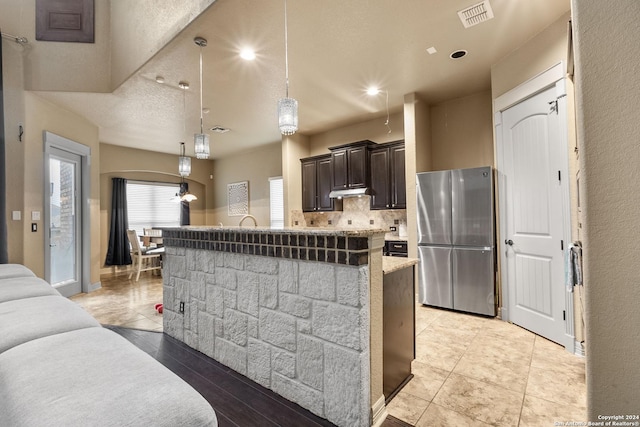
533,245
65,216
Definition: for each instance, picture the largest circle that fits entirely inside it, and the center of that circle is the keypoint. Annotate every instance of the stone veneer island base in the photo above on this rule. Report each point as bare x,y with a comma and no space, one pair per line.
298,311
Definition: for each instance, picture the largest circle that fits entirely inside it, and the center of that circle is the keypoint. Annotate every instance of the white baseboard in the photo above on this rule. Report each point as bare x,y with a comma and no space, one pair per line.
378,412
94,286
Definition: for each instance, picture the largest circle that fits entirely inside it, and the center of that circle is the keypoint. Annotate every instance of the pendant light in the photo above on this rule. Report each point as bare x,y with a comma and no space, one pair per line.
287,107
201,140
184,162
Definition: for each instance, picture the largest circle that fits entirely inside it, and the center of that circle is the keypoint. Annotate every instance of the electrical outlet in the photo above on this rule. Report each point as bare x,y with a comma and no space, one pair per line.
34,227
181,306
393,228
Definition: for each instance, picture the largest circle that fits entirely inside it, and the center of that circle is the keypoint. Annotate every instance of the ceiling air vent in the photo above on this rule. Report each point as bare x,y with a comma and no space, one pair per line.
219,129
476,14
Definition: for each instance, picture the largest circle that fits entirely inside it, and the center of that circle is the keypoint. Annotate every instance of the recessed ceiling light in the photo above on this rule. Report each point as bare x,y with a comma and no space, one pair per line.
458,54
431,50
248,54
159,79
373,91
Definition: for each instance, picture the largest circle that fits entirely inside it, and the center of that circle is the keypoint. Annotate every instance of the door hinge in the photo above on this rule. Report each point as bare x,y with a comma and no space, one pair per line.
564,315
553,106
562,245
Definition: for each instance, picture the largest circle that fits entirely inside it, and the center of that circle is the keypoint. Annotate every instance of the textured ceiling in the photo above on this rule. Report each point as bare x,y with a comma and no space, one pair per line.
336,49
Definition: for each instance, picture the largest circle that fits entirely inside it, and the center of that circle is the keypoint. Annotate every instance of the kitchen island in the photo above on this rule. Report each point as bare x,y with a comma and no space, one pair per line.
299,311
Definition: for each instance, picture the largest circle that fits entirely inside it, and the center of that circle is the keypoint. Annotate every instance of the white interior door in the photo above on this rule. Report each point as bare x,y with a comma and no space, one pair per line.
531,166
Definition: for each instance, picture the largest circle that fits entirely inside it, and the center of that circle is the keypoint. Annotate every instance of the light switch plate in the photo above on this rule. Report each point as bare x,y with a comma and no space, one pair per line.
16,215
35,216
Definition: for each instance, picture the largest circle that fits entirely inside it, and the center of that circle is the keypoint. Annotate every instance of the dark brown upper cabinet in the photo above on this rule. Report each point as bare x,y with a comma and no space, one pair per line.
316,183
388,182
351,165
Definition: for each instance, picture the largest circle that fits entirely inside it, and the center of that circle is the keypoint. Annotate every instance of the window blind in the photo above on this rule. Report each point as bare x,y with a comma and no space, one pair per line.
276,202
149,205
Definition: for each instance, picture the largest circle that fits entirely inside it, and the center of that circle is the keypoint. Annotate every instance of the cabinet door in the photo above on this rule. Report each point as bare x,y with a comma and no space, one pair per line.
398,181
309,186
339,159
380,179
324,171
357,167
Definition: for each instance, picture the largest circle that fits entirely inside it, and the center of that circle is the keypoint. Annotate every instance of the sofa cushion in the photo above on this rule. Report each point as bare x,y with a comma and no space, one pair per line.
27,319
24,287
92,377
8,271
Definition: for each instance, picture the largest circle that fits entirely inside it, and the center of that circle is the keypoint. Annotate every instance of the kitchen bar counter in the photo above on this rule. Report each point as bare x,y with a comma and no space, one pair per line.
297,310
394,263
399,322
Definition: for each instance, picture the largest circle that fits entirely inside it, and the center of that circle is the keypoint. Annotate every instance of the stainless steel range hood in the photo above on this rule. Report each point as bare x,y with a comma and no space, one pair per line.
352,192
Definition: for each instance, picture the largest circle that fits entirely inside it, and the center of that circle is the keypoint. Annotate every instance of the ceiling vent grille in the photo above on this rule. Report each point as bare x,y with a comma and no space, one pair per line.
476,14
219,129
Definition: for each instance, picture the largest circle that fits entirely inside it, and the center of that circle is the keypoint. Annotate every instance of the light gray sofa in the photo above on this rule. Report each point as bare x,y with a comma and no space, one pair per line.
59,367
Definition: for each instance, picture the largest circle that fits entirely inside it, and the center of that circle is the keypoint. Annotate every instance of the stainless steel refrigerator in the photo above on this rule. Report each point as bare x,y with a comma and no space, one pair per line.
456,239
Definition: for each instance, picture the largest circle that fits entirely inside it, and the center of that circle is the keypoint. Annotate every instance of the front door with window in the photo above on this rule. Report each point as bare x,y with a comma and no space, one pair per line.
65,218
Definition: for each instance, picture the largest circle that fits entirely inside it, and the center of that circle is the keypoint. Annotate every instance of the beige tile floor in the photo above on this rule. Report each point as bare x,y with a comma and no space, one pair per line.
469,370
125,302
474,371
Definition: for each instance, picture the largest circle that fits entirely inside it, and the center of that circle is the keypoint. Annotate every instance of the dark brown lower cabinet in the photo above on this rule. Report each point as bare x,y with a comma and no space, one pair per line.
398,348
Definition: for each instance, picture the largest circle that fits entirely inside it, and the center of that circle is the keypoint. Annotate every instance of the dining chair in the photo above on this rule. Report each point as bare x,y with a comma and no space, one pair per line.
143,260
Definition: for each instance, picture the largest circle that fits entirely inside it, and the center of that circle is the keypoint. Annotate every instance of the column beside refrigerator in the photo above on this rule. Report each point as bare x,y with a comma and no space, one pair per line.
456,239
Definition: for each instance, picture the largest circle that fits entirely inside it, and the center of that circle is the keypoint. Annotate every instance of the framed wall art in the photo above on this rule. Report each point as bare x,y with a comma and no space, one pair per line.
238,198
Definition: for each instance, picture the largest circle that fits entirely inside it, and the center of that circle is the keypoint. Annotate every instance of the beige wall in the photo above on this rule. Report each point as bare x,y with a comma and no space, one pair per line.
418,147
461,132
373,130
537,55
607,94
294,148
56,65
133,164
255,166
43,116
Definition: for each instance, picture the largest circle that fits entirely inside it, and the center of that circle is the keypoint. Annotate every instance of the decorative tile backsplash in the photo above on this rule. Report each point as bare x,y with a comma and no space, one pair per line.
322,247
355,214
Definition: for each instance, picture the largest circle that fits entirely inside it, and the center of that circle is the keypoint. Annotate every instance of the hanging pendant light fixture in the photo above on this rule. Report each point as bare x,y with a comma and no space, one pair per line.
287,107
184,162
201,140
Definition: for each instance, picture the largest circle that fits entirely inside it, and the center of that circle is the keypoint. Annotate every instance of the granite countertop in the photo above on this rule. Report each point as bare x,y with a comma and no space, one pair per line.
395,263
323,231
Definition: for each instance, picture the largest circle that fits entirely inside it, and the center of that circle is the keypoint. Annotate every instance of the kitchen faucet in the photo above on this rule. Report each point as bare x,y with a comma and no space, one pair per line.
255,223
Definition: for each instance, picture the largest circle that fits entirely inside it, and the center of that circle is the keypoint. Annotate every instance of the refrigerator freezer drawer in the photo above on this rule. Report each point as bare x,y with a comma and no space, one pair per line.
473,280
435,276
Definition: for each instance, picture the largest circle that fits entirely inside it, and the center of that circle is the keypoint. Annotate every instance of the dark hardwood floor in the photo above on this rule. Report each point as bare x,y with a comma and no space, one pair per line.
237,400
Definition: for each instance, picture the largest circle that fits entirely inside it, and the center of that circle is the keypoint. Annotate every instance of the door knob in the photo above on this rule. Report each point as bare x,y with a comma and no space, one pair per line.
509,242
